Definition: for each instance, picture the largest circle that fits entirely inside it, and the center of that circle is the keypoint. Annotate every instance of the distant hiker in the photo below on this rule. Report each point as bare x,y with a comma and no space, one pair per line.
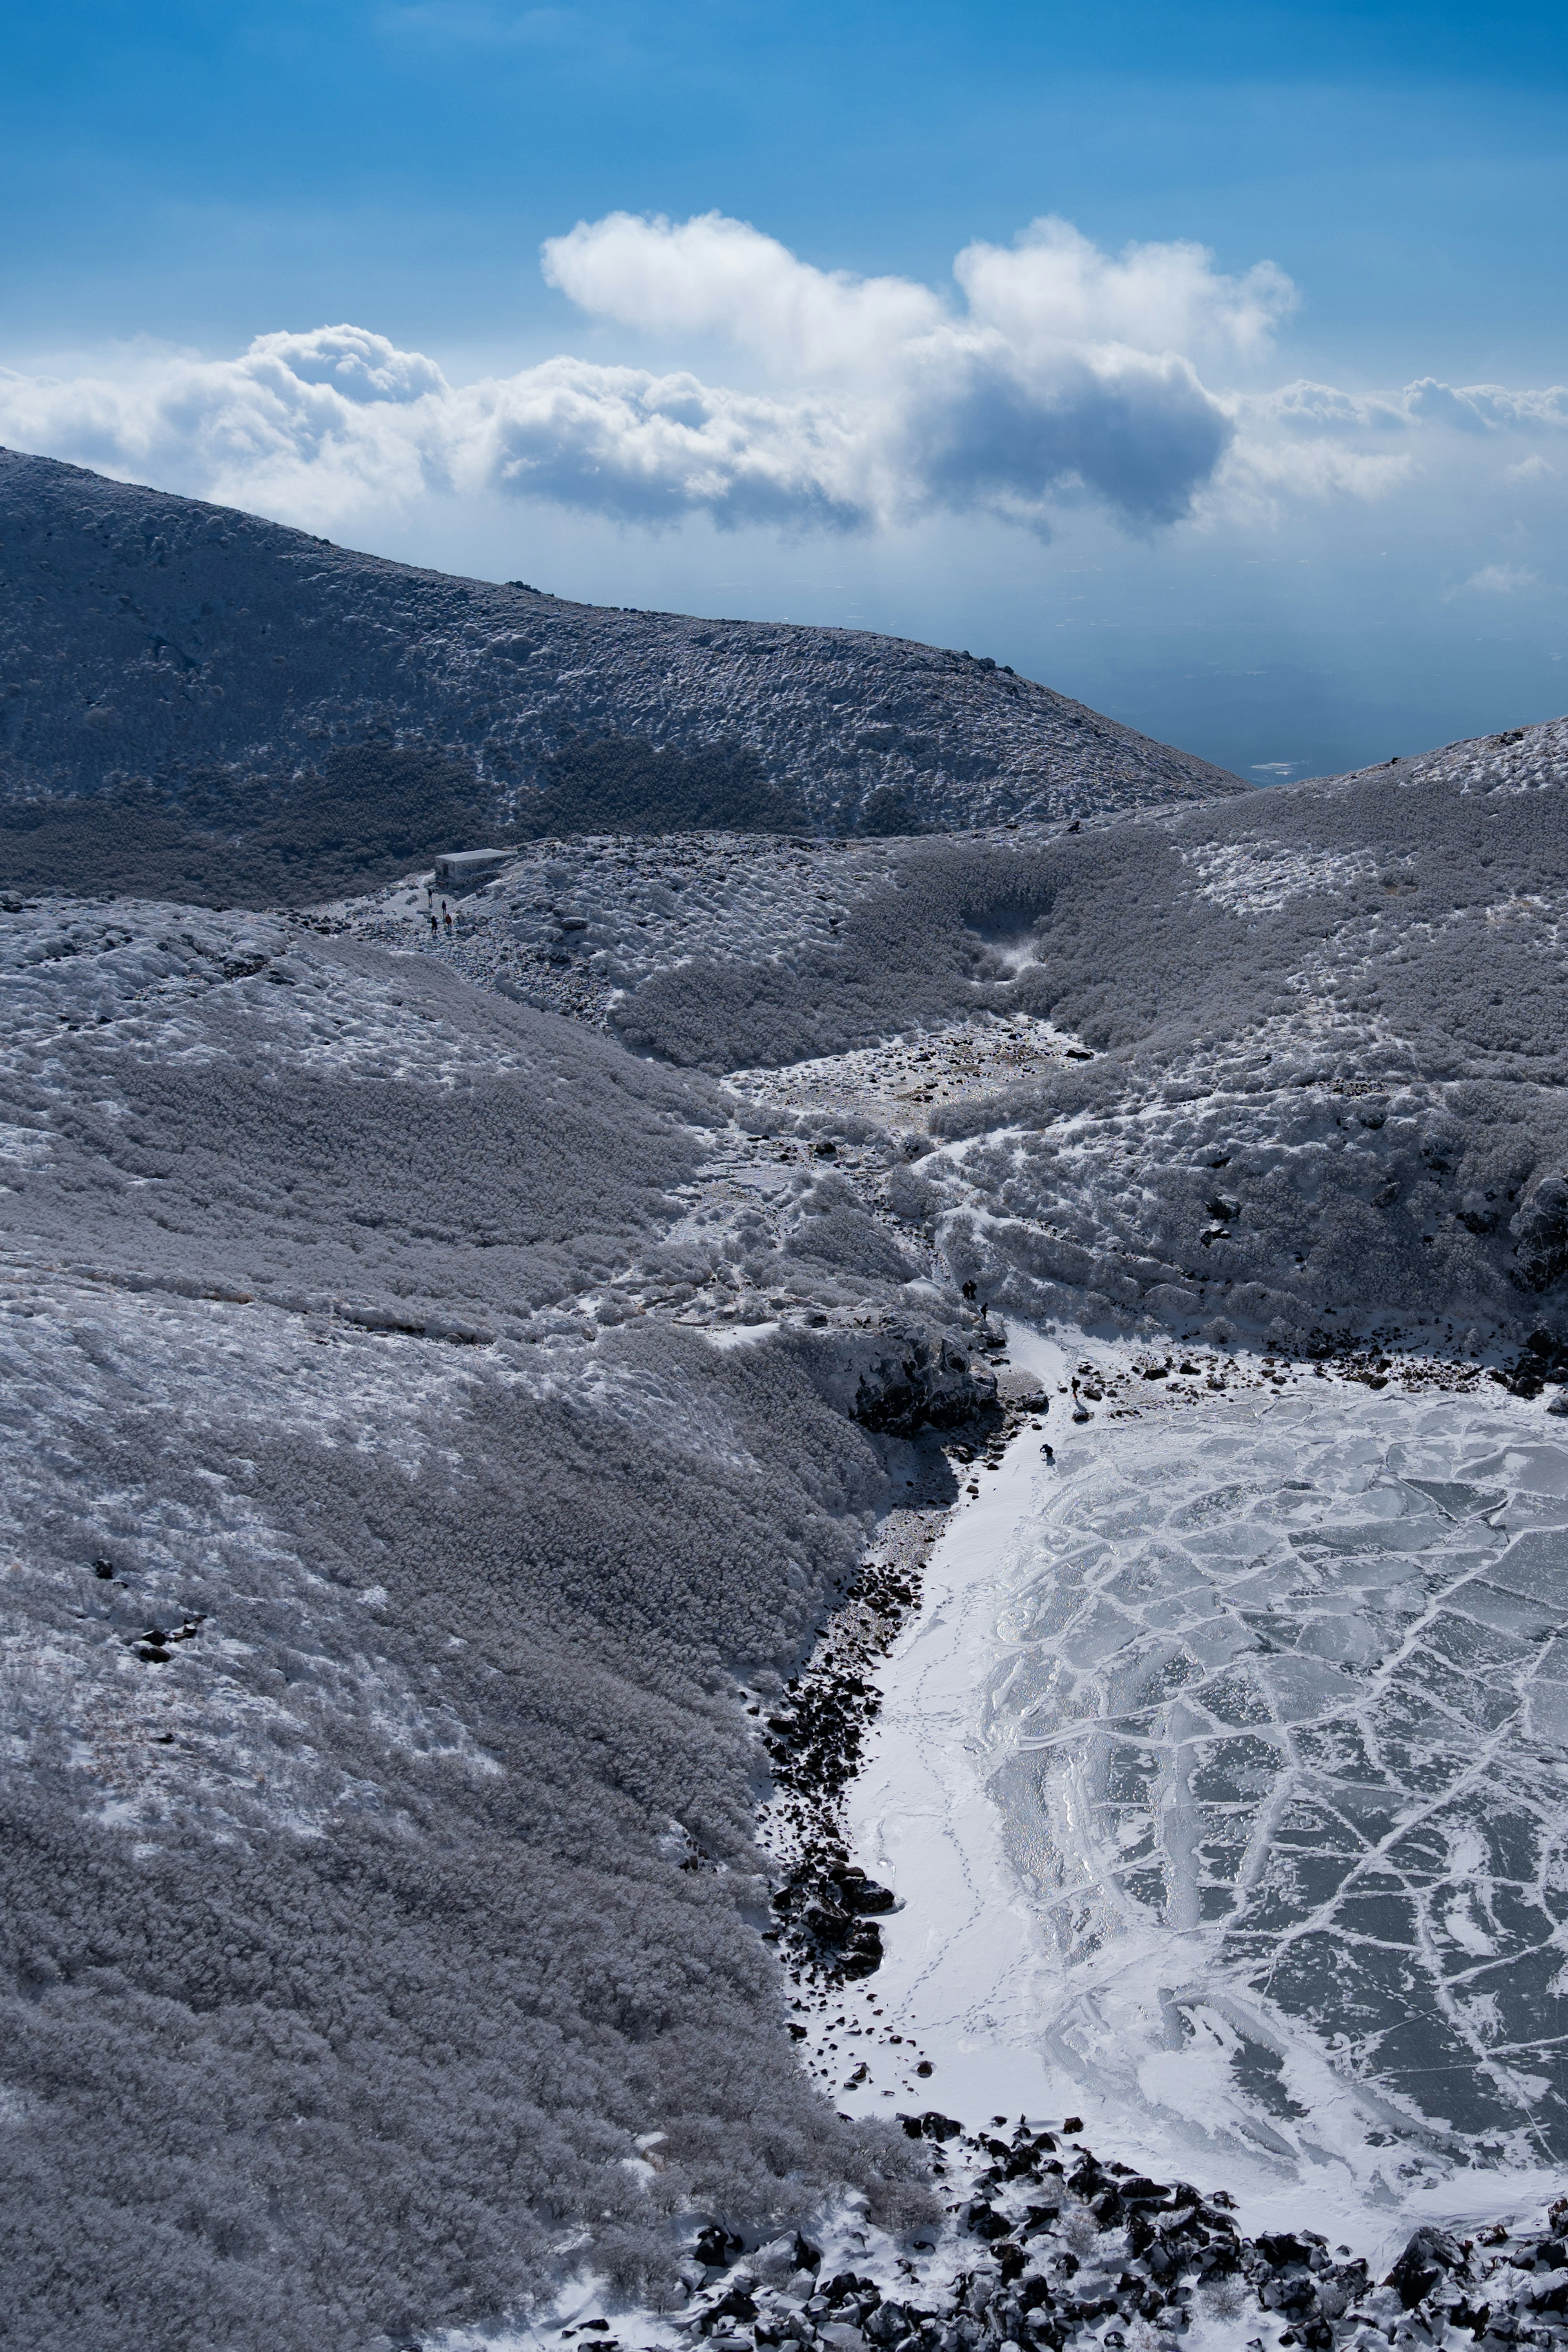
449,920
435,926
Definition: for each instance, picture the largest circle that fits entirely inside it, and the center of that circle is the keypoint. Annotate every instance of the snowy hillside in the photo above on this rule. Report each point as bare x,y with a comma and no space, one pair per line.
1310,1059
239,713
586,1726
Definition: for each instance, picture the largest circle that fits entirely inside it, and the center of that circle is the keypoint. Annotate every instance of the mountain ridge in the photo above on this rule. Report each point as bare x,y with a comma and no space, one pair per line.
213,667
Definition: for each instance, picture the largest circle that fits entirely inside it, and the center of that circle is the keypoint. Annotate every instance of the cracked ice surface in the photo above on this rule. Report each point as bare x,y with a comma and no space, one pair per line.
1278,1727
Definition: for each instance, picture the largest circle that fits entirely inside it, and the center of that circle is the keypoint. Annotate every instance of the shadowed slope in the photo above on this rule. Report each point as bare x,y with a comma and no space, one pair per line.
239,695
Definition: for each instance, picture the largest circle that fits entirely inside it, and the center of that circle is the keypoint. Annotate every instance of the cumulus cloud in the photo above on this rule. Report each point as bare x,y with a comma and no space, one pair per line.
1051,374
1307,442
1052,285
1488,407
722,278
1063,374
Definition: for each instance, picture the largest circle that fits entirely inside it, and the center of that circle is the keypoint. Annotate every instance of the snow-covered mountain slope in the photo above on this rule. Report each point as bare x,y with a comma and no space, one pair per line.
381,1552
261,716
451,1375
1310,1058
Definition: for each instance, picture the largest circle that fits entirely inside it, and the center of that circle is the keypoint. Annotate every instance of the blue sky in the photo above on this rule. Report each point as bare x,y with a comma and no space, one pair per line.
1101,469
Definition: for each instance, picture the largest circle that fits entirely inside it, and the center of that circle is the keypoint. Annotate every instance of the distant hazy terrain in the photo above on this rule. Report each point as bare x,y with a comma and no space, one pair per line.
241,714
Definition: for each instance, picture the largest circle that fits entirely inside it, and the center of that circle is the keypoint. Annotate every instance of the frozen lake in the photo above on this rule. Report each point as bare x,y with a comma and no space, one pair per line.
1224,1780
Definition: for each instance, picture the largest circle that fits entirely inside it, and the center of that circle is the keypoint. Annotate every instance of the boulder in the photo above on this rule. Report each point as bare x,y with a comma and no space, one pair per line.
1429,2254
898,1379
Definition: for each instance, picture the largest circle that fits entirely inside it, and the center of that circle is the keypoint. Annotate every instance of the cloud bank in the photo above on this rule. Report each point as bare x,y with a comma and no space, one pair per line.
1056,375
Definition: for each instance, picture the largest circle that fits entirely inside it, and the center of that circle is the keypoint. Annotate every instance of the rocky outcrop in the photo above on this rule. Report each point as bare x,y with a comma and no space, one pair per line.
899,1377
1048,2244
915,1381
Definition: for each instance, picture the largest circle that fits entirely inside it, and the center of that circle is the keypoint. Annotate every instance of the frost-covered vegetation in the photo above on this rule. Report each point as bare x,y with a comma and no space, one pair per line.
452,1369
379,1863
1305,1050
199,704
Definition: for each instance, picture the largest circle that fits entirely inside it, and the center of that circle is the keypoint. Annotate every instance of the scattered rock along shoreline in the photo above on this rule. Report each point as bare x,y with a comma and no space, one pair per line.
1046,2245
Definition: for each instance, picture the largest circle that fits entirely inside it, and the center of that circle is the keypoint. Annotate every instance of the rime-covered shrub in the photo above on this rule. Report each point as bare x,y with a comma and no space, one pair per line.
379,1866
848,1239
1351,992
623,784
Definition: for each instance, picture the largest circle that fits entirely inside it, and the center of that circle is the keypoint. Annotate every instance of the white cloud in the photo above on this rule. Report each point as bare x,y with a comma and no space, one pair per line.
1051,293
347,360
1502,579
1306,410
722,278
1052,285
1053,374
1306,442
1488,407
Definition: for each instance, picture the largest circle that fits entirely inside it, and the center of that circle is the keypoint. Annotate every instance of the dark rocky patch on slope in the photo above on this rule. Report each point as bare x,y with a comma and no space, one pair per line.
189,672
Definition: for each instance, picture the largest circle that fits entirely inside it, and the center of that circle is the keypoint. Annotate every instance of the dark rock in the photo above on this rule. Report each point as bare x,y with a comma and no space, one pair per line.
739,2304
1430,2255
861,1895
1279,2249
915,1382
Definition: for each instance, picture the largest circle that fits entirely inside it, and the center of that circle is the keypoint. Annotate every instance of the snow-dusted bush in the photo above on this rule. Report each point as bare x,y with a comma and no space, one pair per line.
1349,998
351,1944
